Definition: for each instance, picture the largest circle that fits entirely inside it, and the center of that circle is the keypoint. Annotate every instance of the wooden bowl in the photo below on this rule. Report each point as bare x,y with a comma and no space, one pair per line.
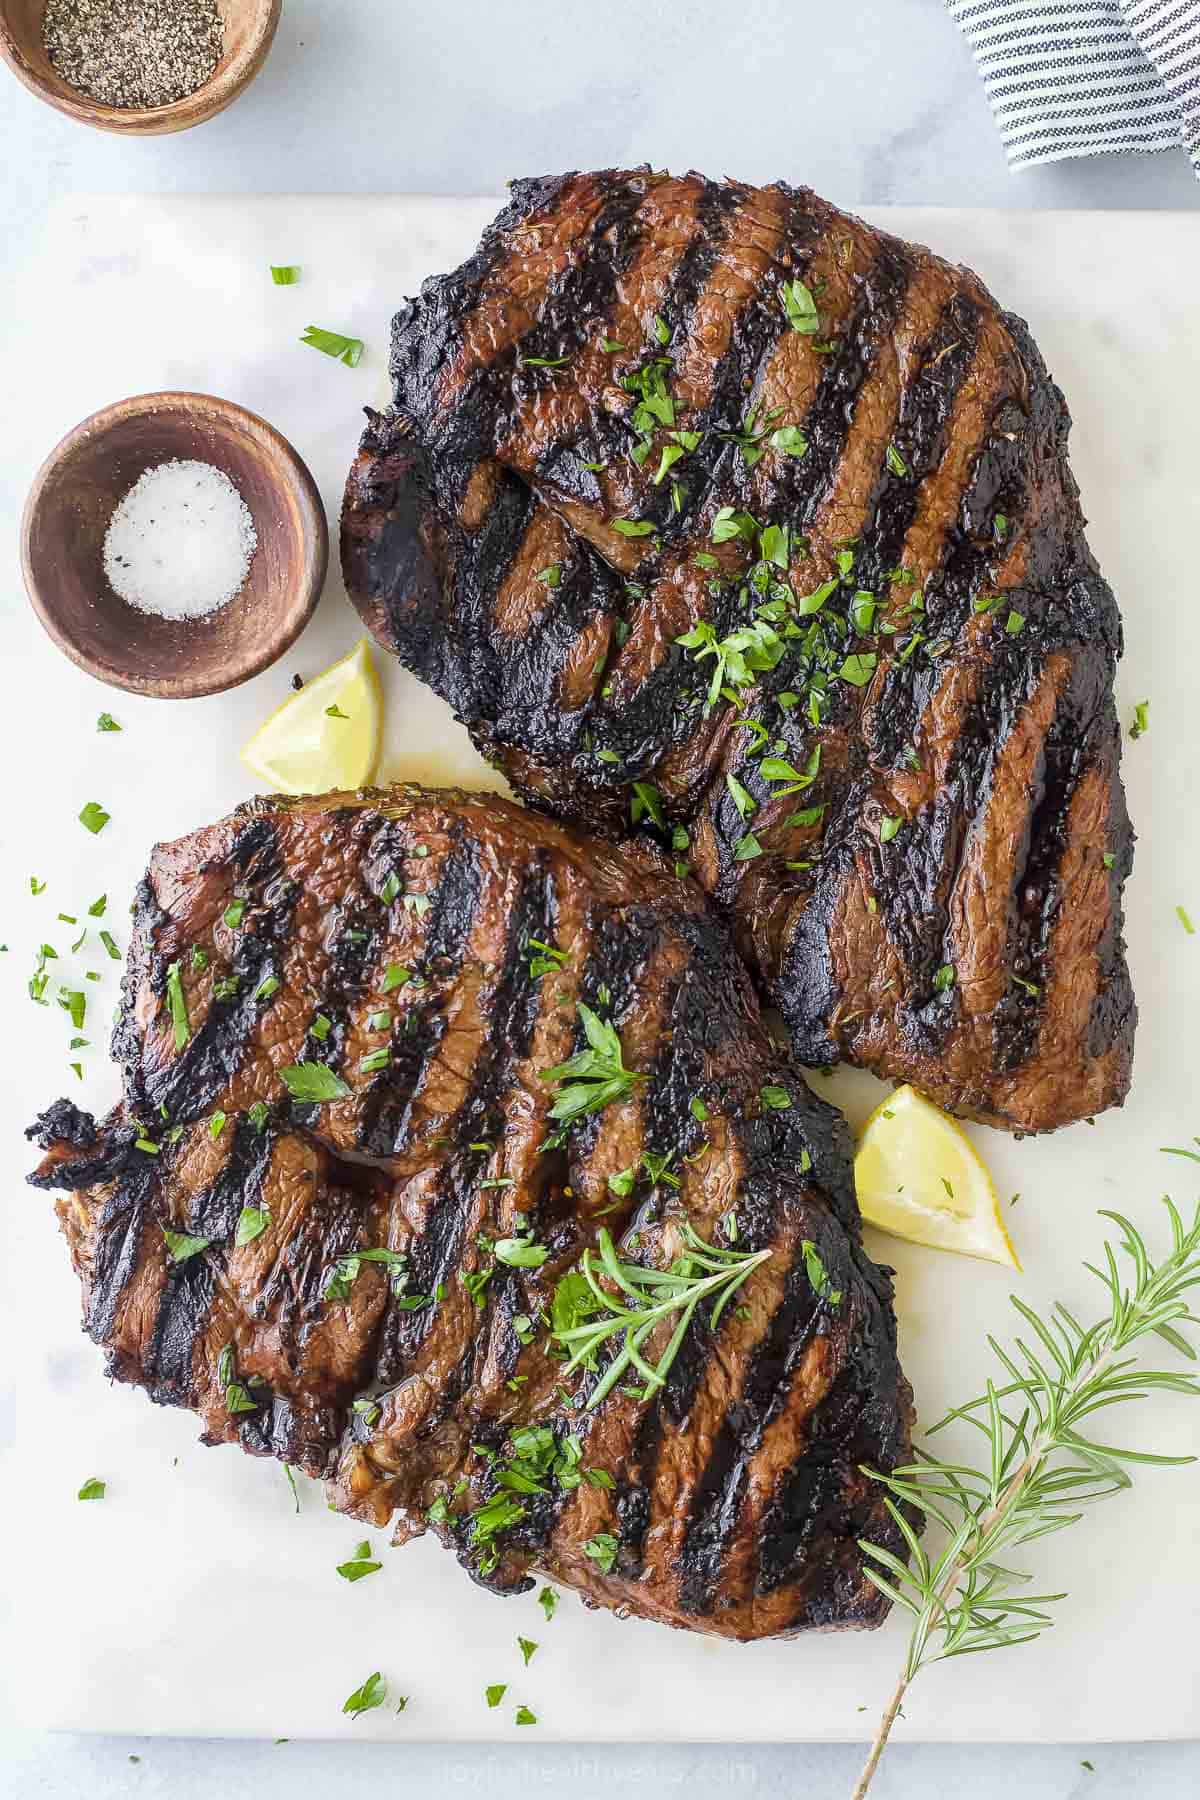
249,30
68,511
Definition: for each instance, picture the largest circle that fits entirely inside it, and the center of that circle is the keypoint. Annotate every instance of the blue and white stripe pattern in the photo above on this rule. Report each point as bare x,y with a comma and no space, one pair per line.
1079,77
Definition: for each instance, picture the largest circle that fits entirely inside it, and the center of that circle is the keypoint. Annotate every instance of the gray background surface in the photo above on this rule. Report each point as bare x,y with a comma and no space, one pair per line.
867,101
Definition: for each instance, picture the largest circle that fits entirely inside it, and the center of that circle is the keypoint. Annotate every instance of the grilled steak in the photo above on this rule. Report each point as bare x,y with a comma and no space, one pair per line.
366,1285
717,490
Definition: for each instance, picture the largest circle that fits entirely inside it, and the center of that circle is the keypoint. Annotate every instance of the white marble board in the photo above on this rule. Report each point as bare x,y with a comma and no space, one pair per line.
192,1600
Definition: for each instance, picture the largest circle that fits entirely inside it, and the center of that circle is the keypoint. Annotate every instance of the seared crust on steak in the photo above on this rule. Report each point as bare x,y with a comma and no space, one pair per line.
976,950
392,937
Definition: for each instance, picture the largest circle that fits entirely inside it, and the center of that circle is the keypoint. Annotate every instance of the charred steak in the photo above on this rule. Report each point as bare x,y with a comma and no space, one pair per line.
711,508
340,1211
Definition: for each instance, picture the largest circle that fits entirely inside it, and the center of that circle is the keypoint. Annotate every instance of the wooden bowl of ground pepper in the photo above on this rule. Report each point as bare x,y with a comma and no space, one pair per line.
139,67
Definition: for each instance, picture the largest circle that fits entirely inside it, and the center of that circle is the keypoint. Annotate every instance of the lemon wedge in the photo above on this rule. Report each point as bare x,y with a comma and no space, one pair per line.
327,735
919,1177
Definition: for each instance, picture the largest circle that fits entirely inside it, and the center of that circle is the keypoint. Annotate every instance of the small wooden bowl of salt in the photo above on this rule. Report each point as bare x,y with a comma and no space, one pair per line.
135,69
174,544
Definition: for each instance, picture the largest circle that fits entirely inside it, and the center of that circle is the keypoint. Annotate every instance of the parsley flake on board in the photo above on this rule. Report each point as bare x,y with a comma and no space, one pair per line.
92,1489
527,1648
93,818
525,1717
943,978
548,1601
1141,719
495,1694
362,1563
371,1694
284,274
347,350
106,722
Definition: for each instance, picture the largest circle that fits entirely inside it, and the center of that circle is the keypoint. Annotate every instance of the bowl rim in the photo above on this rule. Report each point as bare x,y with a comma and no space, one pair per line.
191,109
291,471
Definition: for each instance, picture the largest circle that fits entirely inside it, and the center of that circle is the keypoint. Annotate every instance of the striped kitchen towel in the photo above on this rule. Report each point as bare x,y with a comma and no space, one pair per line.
1078,77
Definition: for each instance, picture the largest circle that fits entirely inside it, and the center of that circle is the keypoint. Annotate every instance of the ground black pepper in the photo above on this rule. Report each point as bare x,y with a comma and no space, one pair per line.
134,52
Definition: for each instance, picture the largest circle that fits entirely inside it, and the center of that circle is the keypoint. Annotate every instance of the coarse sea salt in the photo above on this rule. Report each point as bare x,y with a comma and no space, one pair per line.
180,542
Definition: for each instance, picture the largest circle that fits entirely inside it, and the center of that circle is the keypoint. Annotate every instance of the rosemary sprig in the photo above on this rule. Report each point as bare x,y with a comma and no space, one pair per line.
1039,1469
702,1271
592,1077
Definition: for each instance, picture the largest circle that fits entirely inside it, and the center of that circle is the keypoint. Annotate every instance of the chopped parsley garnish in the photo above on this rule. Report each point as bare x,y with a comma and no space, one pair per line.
371,1694
729,524
527,1648
738,657
110,944
234,914
647,803
602,1549
181,1246
800,307
375,1060
284,274
390,888
495,1694
1182,915
591,1078
789,440
93,818
313,1083
270,984
548,1601
775,1099
520,1252
633,528
818,1274
697,1108
548,961
888,827
550,576
525,1717
74,1003
96,909
360,1564
347,350
944,978
252,1222
106,722
216,1124
36,886
858,667
1014,625
177,1003
747,848
543,362
1141,719
92,1489
895,461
